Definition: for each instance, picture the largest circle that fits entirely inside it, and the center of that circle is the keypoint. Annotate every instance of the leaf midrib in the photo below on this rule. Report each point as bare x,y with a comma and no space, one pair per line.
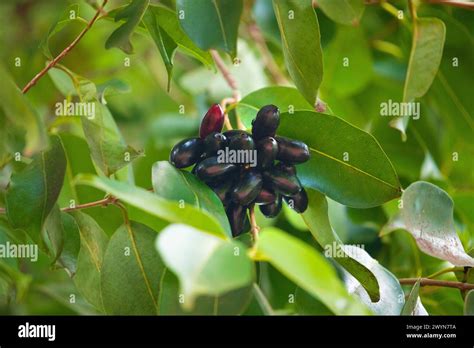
355,168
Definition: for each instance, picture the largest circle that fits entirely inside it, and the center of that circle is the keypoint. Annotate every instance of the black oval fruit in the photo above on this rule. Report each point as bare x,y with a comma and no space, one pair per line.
186,152
210,169
212,121
286,168
241,141
267,150
292,151
273,209
247,188
238,219
266,122
223,190
265,196
213,143
298,202
286,184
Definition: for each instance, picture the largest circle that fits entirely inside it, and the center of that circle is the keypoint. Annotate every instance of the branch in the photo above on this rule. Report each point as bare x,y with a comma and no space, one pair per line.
434,282
102,202
226,74
65,51
268,60
254,229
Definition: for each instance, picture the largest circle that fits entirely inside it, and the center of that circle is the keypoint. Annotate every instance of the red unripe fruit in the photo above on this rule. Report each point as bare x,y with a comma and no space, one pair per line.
212,121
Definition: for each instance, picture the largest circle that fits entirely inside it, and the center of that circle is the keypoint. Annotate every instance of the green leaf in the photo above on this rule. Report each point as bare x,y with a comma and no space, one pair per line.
233,302
131,272
469,303
132,14
34,190
306,304
392,297
165,44
154,204
425,58
308,269
317,219
19,112
287,99
364,180
412,300
211,23
70,84
108,149
63,234
427,214
181,186
89,261
204,264
347,72
303,54
346,12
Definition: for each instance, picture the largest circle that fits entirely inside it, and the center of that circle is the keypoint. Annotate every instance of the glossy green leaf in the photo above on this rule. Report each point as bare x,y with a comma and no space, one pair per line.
154,204
108,149
132,14
211,23
306,304
287,99
308,269
347,72
427,214
18,110
425,58
131,266
392,297
317,219
346,12
89,261
70,84
204,264
34,190
412,300
347,164
469,303
63,234
303,54
183,187
165,44
233,302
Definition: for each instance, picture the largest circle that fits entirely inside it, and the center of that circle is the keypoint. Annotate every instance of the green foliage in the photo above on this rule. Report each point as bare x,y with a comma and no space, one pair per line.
126,233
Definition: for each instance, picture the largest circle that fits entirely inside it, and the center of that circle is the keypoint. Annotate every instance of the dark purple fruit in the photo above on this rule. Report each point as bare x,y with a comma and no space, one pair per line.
267,150
286,168
238,219
231,133
266,122
213,143
298,202
212,121
273,209
211,170
247,188
241,141
286,184
186,152
292,151
265,196
222,190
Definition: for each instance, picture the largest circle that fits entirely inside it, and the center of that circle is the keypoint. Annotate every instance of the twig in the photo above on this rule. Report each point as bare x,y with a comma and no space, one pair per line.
101,202
434,282
65,51
268,61
254,229
226,74
224,103
460,4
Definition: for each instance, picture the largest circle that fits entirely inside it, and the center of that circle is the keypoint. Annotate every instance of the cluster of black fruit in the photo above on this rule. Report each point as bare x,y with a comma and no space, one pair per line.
238,186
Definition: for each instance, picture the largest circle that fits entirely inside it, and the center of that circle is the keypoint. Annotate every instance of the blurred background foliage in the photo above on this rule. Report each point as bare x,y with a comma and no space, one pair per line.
149,118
